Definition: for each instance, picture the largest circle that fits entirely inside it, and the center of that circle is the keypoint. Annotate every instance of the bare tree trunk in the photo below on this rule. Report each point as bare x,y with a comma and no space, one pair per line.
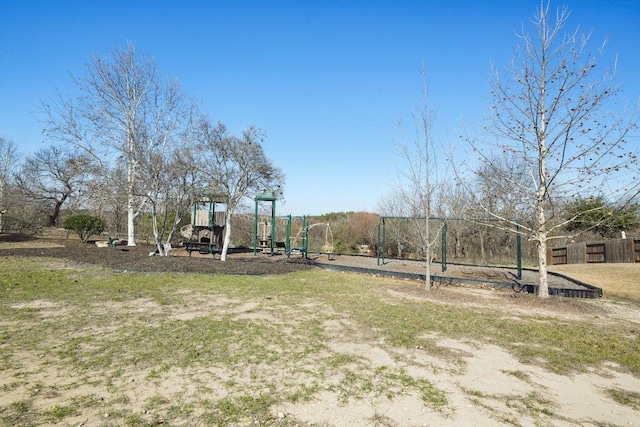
227,236
543,284
156,233
131,214
2,209
428,243
131,232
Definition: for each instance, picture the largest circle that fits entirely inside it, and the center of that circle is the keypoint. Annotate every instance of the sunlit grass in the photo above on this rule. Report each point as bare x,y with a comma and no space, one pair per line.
616,280
102,325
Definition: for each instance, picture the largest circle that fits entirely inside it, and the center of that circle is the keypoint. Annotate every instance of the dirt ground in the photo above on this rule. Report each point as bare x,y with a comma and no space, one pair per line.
481,394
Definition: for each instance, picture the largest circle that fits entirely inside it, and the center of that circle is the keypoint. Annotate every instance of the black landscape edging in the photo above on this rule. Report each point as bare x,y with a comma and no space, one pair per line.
590,291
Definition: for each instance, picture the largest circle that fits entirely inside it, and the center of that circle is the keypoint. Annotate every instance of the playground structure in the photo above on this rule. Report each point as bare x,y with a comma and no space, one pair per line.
296,233
382,247
264,232
205,233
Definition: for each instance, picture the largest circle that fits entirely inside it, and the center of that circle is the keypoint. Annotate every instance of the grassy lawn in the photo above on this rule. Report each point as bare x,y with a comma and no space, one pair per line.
616,280
119,348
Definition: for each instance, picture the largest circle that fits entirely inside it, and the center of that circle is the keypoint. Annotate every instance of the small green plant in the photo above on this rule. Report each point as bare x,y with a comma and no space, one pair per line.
85,225
57,412
518,374
21,407
624,397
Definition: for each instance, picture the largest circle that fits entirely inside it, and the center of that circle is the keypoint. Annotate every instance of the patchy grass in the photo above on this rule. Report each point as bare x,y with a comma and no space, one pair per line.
624,397
165,348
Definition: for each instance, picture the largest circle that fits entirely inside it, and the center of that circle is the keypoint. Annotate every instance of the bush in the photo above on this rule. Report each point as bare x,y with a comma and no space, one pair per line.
84,225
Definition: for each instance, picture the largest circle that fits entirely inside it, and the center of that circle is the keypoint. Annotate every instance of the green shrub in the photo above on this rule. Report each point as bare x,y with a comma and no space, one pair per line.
85,225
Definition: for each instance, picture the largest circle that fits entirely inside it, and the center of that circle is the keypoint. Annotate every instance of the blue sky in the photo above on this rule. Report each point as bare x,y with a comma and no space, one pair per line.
326,80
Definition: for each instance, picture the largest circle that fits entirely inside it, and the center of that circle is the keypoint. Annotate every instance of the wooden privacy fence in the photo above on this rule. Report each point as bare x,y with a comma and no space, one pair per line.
620,250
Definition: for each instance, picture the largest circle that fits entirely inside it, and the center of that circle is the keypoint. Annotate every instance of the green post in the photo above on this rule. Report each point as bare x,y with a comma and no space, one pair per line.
287,238
273,226
378,241
444,247
384,240
255,230
305,241
519,252
381,241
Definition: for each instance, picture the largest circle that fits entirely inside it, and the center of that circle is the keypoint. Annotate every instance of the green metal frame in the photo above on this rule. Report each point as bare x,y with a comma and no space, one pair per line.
266,196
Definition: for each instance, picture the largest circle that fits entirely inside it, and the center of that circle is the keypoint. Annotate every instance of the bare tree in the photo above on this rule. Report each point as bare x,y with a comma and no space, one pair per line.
9,157
172,180
418,178
52,176
187,185
235,166
551,113
124,111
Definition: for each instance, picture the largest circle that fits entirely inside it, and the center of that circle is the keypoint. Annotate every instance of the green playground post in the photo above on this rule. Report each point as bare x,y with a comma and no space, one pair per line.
519,251
287,240
443,247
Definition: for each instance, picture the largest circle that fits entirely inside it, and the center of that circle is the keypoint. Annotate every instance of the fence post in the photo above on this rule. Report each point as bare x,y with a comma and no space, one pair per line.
519,252
443,248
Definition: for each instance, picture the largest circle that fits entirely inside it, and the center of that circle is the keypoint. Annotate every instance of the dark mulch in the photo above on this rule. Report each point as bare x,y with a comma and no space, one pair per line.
137,259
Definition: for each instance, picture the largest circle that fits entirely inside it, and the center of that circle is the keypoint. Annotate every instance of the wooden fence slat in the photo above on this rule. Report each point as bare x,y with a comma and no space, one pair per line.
611,251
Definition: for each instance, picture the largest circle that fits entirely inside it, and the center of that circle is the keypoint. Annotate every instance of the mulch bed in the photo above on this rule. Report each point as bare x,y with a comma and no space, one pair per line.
137,259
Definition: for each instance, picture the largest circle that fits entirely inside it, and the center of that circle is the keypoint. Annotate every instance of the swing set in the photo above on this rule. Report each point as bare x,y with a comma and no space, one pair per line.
382,237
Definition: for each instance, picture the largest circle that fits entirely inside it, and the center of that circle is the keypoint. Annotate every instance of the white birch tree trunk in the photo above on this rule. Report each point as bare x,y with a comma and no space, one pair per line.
227,236
131,214
156,232
543,283
131,232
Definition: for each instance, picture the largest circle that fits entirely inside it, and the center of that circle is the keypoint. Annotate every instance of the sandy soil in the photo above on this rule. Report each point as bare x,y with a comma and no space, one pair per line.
489,388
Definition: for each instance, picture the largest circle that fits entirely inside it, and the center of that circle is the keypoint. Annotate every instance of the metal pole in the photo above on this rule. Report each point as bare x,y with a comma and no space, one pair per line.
444,247
305,242
287,242
273,225
384,239
255,230
519,252
378,242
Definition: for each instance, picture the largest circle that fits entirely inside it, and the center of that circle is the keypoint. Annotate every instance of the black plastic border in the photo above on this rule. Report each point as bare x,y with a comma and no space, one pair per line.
590,291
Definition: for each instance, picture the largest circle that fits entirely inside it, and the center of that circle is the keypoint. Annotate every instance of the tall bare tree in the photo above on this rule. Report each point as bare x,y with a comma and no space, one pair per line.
551,110
9,156
418,179
125,110
236,166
